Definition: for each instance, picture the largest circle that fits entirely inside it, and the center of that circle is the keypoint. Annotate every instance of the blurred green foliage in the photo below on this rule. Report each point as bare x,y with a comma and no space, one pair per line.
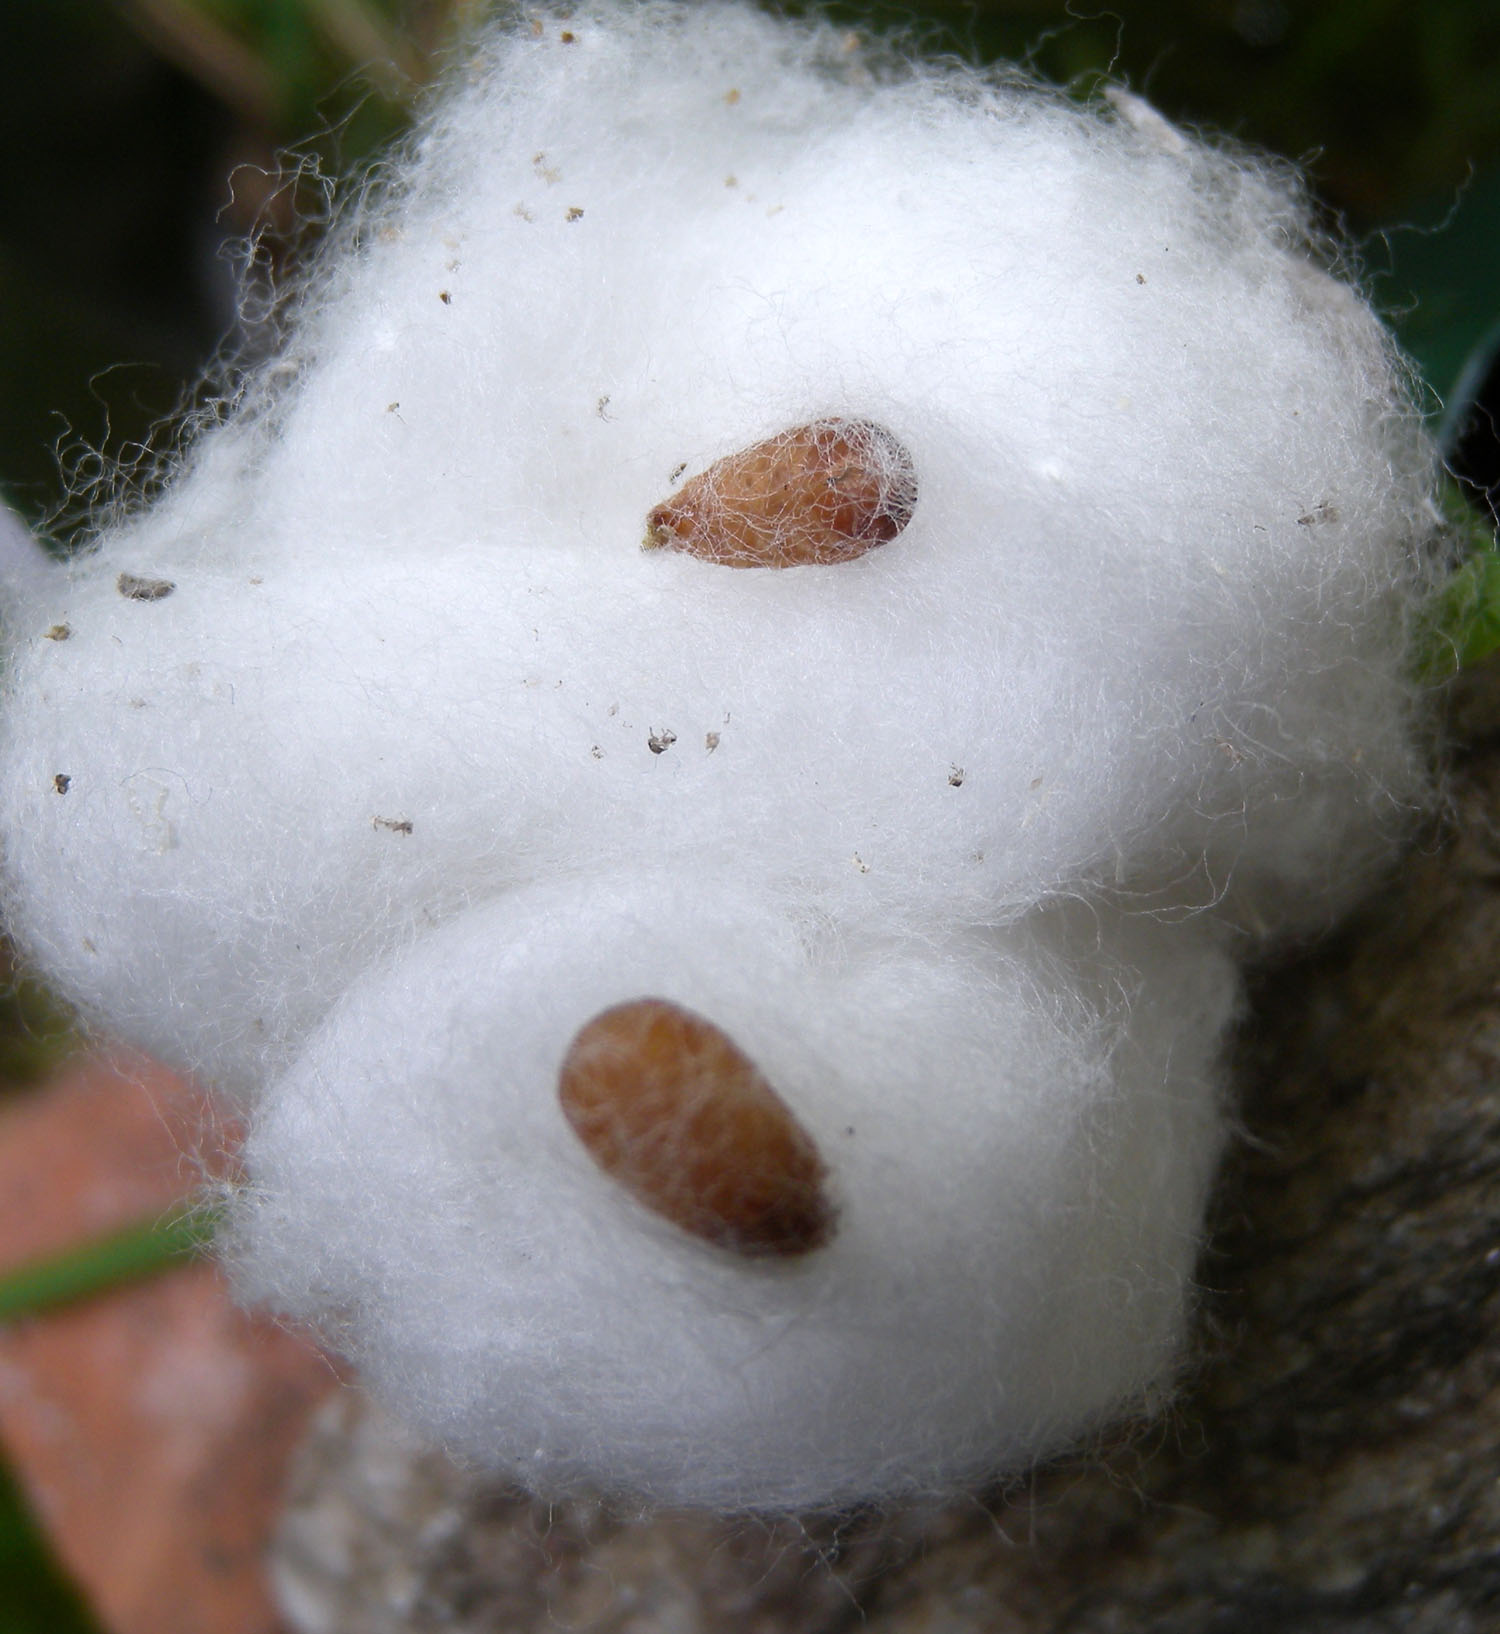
35,1597
1466,618
1388,100
275,61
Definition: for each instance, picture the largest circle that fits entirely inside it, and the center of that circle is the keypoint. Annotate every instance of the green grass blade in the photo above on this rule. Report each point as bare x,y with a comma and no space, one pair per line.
138,1251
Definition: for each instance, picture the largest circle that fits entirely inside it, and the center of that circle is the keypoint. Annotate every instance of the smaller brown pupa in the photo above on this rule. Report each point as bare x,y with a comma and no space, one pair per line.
823,492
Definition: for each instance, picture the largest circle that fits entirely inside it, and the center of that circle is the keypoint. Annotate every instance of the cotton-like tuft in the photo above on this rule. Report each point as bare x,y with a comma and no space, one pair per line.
1040,524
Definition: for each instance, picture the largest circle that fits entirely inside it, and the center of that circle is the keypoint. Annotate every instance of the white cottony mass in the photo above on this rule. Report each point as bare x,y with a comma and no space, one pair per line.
739,1021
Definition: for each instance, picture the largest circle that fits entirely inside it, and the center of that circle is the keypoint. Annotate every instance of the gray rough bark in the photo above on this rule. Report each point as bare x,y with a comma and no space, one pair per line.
1331,1465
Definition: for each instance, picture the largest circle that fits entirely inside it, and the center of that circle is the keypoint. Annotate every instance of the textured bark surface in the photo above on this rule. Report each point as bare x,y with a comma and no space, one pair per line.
1331,1466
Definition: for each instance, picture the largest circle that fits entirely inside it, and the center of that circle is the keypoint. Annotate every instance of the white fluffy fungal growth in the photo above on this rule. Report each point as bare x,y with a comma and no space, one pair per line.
378,758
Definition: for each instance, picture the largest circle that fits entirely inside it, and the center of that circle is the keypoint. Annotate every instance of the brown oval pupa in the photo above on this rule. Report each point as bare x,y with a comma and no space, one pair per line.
669,1105
823,492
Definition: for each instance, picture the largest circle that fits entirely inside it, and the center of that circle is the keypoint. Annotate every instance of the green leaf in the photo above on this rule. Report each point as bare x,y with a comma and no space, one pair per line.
104,1263
1462,623
1440,288
35,1596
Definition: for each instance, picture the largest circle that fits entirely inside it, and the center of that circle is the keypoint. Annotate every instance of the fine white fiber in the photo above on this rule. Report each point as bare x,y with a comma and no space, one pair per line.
1040,525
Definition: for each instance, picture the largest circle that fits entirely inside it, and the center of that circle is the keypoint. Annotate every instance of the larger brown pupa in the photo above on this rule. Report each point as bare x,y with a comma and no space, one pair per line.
669,1105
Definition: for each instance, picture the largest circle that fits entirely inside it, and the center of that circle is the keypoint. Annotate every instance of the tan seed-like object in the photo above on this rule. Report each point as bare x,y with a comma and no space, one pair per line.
671,1107
824,492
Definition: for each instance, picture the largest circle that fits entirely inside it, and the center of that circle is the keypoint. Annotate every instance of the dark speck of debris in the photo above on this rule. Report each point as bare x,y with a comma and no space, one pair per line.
597,752
568,37
575,212
58,632
677,471
601,408
445,296
659,742
395,825
1140,278
134,589
956,777
61,782
711,742
1322,512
